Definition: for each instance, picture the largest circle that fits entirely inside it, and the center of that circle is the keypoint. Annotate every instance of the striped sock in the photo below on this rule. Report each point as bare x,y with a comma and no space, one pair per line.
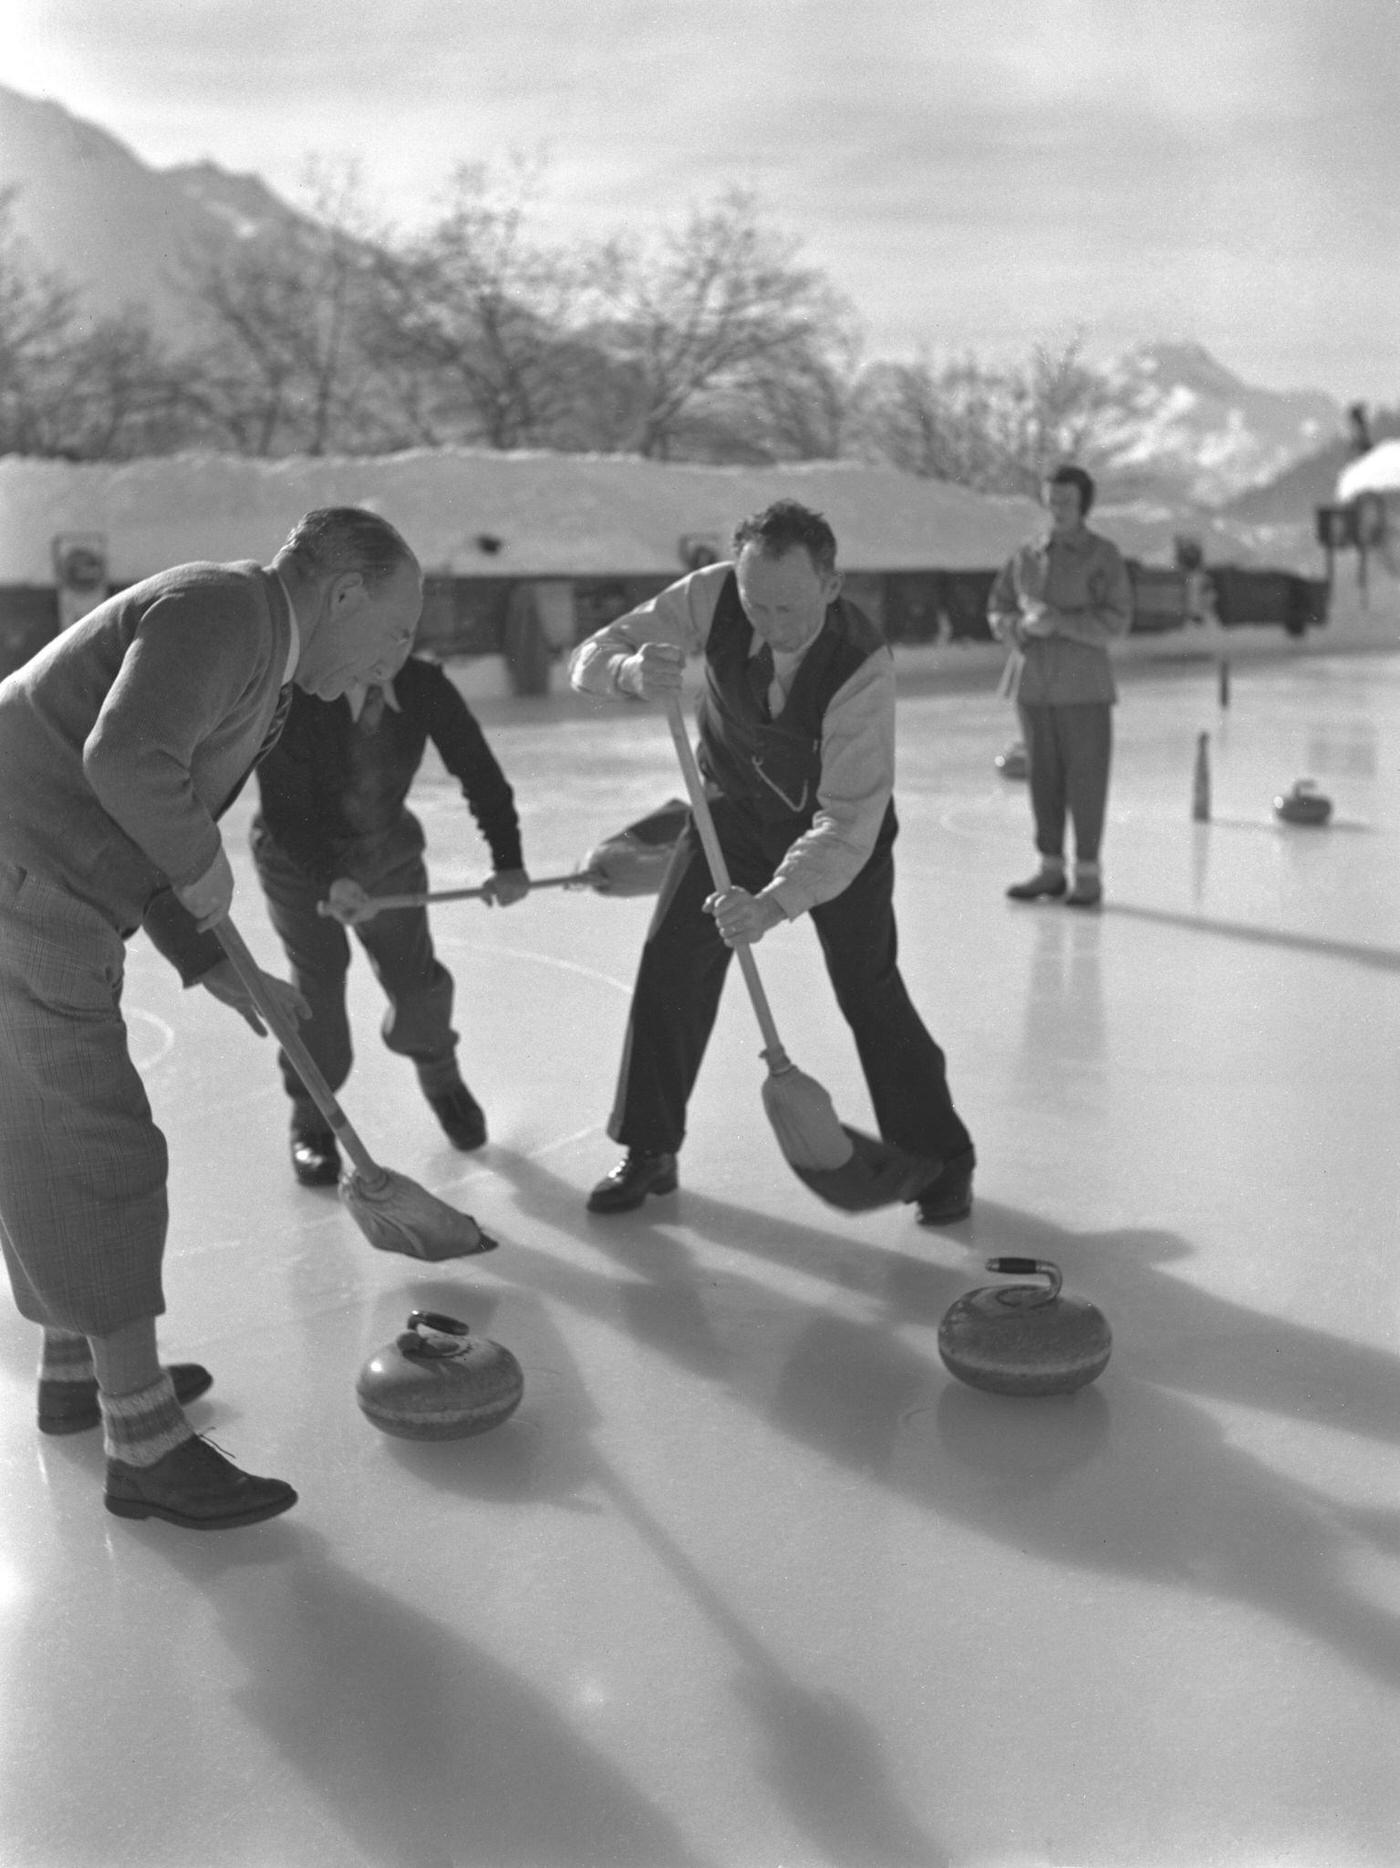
143,1427
65,1357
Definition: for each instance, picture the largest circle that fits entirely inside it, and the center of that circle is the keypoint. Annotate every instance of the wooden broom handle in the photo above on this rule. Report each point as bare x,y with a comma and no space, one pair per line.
719,871
577,878
287,1035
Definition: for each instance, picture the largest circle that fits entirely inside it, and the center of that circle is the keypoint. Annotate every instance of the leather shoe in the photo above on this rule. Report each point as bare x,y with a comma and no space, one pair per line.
1085,895
195,1487
634,1177
315,1157
1047,883
71,1407
460,1114
948,1196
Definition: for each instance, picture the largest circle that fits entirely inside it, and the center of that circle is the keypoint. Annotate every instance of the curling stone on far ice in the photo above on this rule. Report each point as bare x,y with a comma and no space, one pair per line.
1305,804
1024,1339
436,1381
1013,763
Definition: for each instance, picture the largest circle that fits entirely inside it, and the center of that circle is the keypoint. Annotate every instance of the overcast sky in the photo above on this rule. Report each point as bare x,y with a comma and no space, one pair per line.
973,174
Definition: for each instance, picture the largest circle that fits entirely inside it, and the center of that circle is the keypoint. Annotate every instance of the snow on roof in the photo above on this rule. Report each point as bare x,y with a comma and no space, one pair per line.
1375,472
555,515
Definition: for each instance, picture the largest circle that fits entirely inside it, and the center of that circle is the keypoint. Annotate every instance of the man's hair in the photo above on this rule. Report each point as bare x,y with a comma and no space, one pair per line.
333,539
782,526
1081,481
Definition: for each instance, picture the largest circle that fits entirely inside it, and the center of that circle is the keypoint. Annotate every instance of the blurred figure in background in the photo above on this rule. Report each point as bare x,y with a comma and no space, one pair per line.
1058,603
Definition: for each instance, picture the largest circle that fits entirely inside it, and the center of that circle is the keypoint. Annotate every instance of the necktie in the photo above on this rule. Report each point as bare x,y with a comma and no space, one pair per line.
372,711
760,673
279,720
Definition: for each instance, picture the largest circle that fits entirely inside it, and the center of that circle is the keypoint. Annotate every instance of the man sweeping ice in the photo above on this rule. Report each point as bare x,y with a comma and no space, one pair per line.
122,743
797,728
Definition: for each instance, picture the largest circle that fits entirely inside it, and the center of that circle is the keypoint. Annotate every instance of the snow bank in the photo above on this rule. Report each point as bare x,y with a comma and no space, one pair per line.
1375,472
554,515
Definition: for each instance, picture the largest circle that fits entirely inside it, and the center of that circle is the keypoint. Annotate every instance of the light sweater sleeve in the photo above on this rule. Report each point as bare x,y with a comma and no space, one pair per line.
856,785
681,615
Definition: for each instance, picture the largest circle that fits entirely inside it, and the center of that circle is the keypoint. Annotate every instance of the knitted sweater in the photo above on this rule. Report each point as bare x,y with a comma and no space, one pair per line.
333,794
125,738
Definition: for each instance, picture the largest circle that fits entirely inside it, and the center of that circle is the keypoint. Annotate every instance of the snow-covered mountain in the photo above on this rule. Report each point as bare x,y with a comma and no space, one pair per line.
1181,427
1180,421
119,231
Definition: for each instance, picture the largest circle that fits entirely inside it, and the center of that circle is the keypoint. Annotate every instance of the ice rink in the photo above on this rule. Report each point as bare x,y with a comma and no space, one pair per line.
749,1581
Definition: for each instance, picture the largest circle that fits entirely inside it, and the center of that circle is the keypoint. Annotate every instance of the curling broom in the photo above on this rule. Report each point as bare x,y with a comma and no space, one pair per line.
846,1167
393,1212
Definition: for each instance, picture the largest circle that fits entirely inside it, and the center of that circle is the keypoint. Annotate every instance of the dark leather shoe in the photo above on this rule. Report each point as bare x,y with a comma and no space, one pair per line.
461,1116
195,1487
634,1177
71,1407
1085,895
1045,885
948,1197
315,1157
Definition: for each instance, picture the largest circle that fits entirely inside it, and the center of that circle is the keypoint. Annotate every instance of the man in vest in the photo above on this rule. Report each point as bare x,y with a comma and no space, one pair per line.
797,749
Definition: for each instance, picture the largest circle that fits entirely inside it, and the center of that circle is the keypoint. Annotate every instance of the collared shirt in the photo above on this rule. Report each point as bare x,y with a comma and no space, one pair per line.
1080,579
857,733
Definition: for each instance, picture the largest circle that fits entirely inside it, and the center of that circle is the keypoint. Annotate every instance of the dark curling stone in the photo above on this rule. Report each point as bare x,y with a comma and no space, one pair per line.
1013,763
1024,1339
436,1381
1305,804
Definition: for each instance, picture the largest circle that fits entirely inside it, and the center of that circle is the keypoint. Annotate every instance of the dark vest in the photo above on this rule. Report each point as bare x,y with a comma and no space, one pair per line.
774,766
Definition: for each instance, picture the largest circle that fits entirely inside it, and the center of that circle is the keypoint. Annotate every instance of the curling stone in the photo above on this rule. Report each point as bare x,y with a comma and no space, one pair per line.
1013,763
437,1382
1305,804
1024,1339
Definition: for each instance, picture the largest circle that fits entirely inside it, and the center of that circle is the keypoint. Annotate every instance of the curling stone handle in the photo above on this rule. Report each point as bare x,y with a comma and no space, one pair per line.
435,1320
1029,1268
430,1337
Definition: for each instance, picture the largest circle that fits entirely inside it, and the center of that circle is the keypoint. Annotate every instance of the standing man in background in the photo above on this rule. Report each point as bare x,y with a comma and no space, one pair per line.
797,749
335,826
121,744
1059,602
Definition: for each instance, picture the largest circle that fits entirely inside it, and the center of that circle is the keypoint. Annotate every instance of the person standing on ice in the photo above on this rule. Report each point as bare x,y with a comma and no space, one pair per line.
797,730
1059,602
122,742
335,826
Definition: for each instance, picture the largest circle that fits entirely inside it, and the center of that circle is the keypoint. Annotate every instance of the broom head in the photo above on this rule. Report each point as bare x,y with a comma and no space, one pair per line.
397,1215
634,861
875,1174
804,1121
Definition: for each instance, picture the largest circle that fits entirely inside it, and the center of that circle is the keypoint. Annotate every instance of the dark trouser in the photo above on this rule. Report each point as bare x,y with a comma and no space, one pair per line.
1068,750
417,1023
682,972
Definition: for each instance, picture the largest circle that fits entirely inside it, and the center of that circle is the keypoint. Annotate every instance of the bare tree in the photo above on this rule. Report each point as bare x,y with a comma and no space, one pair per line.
719,309
36,317
72,387
281,368
479,320
996,430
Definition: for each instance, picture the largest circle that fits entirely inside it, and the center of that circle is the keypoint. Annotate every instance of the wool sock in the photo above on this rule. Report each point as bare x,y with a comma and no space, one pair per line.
1051,865
65,1357
1087,875
141,1428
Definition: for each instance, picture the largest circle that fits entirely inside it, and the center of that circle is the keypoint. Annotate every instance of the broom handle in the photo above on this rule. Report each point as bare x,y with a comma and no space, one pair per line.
287,1035
457,895
719,871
